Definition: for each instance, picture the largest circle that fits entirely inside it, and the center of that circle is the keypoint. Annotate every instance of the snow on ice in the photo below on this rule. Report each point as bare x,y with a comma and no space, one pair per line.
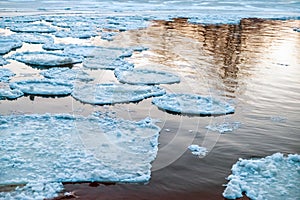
101,94
46,150
146,77
192,104
63,73
197,150
274,177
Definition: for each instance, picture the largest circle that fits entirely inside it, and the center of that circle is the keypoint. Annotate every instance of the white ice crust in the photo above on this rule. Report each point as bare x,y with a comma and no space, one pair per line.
43,87
64,73
8,43
46,59
5,74
274,177
146,77
101,94
192,104
42,151
197,150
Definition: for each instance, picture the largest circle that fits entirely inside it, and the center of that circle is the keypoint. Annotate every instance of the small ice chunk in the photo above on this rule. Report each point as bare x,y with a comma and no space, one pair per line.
146,77
33,38
101,94
197,150
66,74
278,119
46,59
50,46
296,29
32,28
109,36
5,74
3,61
10,94
273,177
224,127
8,43
192,104
43,87
81,34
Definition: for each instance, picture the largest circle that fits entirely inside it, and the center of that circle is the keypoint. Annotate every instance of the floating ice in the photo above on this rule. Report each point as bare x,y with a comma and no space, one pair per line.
273,177
146,77
296,29
197,150
66,74
224,127
278,119
46,59
3,61
5,74
101,94
43,87
107,62
33,38
8,43
32,28
10,94
42,151
109,36
82,34
192,104
50,46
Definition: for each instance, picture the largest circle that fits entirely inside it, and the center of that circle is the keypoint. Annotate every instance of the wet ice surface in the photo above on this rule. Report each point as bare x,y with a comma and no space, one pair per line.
5,74
224,127
33,38
273,177
32,28
146,77
197,150
10,94
63,73
101,94
46,59
8,43
43,87
192,104
47,150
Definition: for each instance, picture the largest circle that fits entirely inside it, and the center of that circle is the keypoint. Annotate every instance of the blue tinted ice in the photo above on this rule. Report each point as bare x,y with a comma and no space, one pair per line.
5,74
32,28
8,43
10,94
33,38
63,73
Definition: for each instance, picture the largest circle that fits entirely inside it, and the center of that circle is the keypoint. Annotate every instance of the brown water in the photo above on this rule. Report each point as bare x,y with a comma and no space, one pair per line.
255,65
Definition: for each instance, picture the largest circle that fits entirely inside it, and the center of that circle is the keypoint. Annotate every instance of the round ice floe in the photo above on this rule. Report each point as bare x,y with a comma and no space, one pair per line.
100,53
43,87
5,74
50,46
146,77
82,34
106,63
10,94
8,43
32,28
33,38
66,74
46,59
102,94
192,104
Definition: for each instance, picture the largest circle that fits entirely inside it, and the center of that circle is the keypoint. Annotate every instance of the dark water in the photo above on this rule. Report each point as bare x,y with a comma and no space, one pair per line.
254,65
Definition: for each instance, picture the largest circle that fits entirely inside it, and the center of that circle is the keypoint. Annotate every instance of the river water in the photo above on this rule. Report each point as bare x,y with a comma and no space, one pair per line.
254,64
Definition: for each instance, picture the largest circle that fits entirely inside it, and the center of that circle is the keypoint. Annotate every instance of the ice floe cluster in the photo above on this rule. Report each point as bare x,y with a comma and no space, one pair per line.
273,177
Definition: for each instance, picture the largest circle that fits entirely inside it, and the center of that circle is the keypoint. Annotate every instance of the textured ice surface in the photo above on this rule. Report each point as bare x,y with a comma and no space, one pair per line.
32,28
192,104
46,150
273,177
8,43
5,74
197,150
101,94
3,61
66,74
109,36
107,62
82,34
33,38
46,59
10,94
146,77
43,87
50,46
224,127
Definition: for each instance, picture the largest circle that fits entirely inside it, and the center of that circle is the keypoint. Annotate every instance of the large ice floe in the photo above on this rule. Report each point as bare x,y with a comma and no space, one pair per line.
33,38
5,74
101,94
8,43
43,87
274,177
145,77
64,73
46,59
32,28
43,151
192,104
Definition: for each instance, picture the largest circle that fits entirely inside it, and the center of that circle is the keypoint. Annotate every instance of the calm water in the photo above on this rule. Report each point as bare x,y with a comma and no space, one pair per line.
254,65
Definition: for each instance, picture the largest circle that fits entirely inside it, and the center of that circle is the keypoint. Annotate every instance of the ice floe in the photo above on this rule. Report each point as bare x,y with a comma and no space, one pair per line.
197,150
63,73
50,46
46,59
82,34
10,94
146,77
273,177
109,36
8,43
101,94
33,38
3,61
107,62
192,104
42,151
43,87
5,74
296,29
32,28
224,127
